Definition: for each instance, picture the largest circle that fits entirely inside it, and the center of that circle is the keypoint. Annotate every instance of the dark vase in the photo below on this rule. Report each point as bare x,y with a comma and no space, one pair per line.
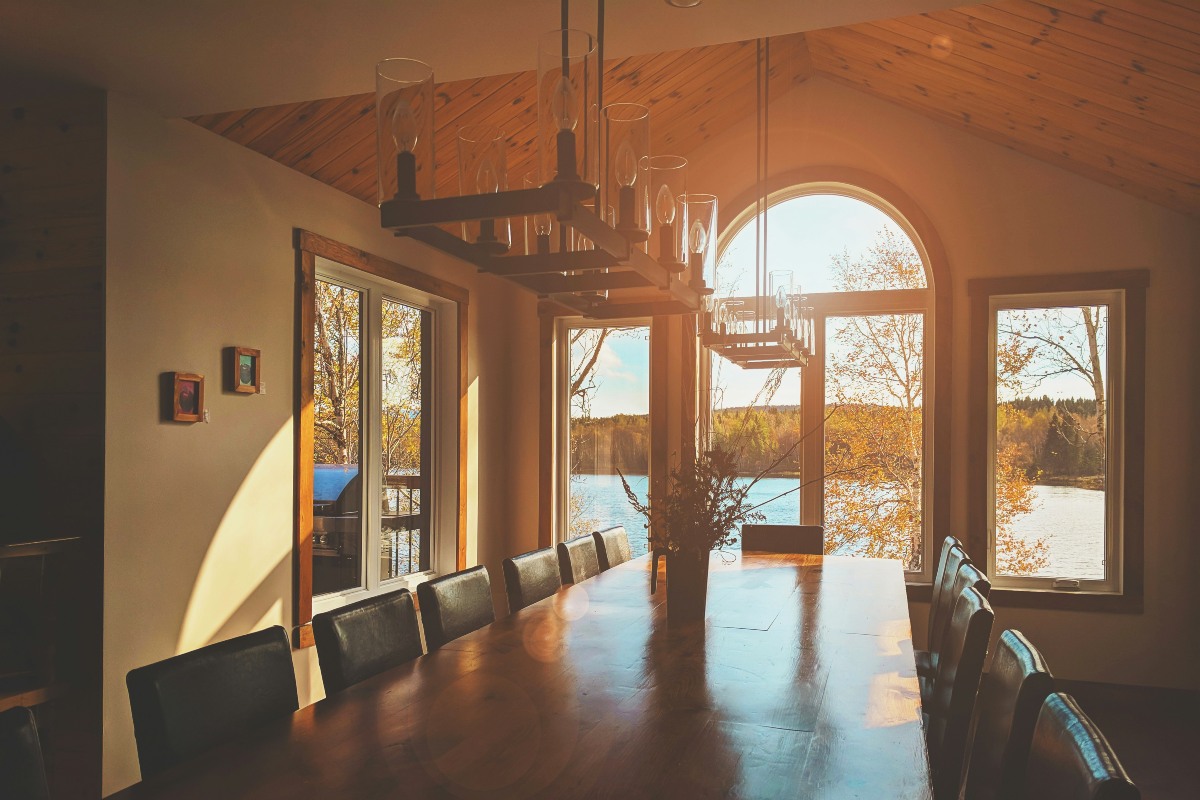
687,587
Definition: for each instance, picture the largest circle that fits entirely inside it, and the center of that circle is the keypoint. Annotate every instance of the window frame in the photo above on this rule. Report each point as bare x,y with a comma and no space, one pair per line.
933,302
1121,589
381,279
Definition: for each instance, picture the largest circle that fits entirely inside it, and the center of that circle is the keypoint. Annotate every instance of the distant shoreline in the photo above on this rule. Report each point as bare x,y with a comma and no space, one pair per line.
1091,482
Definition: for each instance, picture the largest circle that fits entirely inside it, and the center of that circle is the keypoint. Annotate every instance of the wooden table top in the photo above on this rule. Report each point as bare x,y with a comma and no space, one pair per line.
801,684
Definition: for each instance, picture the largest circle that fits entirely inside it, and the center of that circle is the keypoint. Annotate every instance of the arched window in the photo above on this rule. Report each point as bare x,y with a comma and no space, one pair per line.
851,428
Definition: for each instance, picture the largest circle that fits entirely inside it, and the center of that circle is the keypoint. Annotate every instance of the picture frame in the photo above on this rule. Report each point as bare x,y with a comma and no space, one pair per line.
187,397
245,370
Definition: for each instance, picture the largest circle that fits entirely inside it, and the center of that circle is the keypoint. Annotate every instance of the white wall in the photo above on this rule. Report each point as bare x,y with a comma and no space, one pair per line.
1000,213
198,518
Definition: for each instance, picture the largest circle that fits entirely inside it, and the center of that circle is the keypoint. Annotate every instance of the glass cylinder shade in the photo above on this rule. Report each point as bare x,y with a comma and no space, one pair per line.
404,129
701,237
568,118
626,189
483,169
668,208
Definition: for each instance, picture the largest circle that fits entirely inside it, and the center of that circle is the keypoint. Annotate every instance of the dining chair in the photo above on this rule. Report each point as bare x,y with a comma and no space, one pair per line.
799,539
941,603
1071,760
612,547
365,638
22,772
954,691
188,704
455,604
967,575
578,559
1010,696
530,577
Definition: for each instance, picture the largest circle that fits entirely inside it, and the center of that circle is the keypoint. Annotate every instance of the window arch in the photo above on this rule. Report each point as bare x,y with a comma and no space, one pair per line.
858,426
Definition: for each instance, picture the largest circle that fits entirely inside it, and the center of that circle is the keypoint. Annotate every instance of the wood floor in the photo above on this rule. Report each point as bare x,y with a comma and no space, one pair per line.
1154,731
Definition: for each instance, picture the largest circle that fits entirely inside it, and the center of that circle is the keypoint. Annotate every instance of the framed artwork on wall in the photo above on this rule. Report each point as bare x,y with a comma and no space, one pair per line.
245,370
187,397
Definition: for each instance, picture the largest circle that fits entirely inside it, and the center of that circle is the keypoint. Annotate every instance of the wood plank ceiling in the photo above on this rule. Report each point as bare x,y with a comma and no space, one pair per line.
1108,89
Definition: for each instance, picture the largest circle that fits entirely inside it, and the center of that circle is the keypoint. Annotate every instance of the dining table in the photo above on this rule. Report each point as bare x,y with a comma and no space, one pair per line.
799,683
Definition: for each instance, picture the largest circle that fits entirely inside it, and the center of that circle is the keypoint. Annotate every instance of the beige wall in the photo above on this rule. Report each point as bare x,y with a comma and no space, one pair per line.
198,518
1001,213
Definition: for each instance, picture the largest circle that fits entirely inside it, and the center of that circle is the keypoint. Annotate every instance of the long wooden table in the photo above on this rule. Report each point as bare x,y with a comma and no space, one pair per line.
801,684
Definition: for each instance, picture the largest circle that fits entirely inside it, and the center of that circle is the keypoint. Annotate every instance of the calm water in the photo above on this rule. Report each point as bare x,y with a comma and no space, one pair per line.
1071,520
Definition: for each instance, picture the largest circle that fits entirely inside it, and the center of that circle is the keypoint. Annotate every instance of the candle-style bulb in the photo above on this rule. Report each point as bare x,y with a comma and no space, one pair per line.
486,180
626,165
564,107
664,205
405,128
698,238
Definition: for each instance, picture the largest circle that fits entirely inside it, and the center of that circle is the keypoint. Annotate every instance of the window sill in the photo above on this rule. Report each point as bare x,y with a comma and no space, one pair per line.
1057,600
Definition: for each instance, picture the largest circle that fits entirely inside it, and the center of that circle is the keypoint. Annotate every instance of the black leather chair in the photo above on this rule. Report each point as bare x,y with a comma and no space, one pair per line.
941,603
578,559
190,703
801,539
952,703
365,638
22,773
612,547
455,604
968,575
1010,697
1071,760
530,577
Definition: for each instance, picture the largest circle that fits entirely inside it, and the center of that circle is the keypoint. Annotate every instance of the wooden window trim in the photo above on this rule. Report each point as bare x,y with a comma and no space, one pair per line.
1133,283
308,247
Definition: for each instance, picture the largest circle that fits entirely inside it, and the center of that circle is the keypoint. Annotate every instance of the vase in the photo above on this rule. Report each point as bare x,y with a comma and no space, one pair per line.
687,587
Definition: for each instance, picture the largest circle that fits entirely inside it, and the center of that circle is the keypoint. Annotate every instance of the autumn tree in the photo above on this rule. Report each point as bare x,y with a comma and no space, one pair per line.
336,386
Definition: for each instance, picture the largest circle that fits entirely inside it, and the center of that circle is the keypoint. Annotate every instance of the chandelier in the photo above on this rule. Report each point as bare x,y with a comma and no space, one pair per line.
607,226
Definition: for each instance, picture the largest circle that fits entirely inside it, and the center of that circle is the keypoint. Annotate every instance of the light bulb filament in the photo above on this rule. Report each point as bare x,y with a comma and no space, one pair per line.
664,205
405,128
626,164
563,105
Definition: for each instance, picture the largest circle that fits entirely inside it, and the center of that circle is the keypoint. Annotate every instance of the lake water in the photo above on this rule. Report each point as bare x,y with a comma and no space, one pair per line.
1071,520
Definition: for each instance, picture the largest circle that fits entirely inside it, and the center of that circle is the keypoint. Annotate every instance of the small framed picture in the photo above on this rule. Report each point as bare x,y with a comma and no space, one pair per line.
187,397
246,370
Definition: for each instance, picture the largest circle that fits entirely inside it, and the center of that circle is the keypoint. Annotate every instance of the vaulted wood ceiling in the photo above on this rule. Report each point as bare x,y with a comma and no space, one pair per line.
1109,90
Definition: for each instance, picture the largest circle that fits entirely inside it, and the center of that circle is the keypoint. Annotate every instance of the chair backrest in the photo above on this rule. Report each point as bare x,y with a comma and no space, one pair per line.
952,700
612,547
943,601
578,559
939,574
967,576
22,773
530,577
455,604
799,539
365,638
1071,760
185,705
1010,696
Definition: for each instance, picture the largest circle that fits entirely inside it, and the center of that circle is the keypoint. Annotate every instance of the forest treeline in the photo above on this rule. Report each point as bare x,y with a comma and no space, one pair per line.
1054,441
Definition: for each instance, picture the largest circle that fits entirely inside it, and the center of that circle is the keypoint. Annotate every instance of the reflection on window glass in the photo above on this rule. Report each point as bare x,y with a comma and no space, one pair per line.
756,417
404,540
1050,457
874,437
608,429
337,449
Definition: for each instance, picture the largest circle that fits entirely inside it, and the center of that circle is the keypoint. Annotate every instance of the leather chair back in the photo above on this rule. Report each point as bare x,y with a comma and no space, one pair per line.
578,559
967,576
940,611
530,577
1010,696
185,705
455,604
940,578
954,691
365,638
22,773
800,539
612,547
1071,760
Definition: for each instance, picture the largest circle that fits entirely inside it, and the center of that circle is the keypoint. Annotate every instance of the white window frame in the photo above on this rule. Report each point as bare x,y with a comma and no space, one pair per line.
562,406
1114,488
444,445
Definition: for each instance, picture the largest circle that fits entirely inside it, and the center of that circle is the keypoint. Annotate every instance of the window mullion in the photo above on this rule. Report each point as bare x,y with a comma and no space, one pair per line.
372,455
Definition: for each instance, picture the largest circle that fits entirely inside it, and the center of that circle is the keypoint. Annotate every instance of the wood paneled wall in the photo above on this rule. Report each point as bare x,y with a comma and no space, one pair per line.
53,161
